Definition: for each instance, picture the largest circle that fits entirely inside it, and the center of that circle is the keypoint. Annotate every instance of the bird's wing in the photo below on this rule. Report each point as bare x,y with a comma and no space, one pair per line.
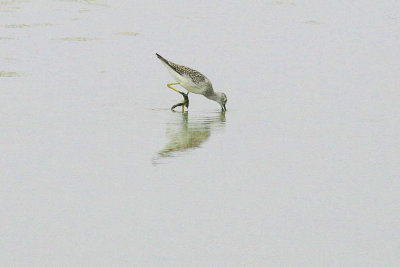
194,75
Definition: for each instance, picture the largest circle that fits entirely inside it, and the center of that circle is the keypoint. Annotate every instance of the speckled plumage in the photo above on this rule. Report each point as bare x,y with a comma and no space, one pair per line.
193,81
194,75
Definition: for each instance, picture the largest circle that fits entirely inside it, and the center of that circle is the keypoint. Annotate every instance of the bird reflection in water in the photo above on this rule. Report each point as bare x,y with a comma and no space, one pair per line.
189,132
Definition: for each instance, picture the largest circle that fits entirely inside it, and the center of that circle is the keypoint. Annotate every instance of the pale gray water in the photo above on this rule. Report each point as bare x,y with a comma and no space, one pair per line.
302,170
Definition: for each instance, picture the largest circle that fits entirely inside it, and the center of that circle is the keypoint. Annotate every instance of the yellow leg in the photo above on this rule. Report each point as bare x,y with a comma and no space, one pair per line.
186,99
170,86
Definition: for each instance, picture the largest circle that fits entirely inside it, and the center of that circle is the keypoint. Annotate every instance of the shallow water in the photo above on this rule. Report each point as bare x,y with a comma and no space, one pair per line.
303,168
189,133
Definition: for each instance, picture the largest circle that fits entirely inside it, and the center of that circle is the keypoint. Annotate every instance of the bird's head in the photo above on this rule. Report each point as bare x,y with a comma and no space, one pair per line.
222,99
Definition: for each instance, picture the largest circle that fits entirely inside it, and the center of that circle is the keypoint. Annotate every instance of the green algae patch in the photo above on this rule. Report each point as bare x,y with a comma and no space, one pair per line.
10,74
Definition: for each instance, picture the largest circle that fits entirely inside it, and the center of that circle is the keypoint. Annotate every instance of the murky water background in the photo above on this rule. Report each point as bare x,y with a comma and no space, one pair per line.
303,169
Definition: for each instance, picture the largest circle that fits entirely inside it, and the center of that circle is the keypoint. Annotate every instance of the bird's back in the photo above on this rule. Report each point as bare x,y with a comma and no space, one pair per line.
190,79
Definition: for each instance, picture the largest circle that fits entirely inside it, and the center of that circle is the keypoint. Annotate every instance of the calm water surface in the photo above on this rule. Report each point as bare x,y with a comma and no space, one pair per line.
303,168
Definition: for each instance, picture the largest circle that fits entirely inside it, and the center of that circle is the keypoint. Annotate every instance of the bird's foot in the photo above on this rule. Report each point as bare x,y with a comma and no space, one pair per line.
177,105
184,103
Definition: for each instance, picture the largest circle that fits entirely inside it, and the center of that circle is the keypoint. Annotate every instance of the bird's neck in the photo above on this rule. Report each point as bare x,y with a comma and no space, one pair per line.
213,96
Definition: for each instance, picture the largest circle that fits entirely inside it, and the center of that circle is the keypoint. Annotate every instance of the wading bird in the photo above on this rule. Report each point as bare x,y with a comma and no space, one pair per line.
194,82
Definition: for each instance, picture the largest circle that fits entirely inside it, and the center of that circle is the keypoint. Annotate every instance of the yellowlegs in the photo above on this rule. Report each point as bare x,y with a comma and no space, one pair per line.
194,82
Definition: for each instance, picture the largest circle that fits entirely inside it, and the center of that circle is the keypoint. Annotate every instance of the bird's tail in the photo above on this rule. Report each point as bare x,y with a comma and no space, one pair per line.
162,59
